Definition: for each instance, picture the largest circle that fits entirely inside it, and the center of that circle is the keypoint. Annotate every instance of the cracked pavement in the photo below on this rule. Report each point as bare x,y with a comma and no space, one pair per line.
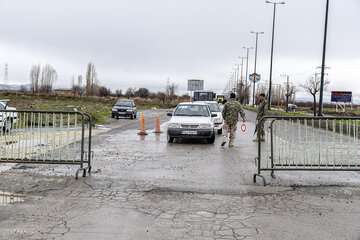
143,188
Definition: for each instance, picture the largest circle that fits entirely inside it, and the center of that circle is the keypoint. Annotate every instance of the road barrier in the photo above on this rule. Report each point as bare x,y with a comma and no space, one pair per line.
309,144
157,125
46,137
142,130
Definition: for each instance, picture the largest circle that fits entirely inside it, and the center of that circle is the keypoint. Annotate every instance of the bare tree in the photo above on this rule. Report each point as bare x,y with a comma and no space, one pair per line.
170,90
35,77
118,93
80,80
130,92
48,78
42,78
104,92
91,79
23,89
161,96
289,92
142,92
77,87
312,86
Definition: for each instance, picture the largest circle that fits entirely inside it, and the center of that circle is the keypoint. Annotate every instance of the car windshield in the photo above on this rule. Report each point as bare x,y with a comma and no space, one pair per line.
192,111
214,107
2,105
124,104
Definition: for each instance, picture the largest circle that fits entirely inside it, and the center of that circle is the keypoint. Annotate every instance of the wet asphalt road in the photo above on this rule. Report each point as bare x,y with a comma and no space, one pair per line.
144,188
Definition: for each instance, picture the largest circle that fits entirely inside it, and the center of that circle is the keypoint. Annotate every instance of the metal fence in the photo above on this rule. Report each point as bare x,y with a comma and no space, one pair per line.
46,137
309,144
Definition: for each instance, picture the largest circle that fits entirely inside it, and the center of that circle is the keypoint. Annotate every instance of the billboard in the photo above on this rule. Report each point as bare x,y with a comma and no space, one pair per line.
341,96
195,85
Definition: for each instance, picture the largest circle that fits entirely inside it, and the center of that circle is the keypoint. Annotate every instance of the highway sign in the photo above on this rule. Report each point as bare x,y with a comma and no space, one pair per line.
254,77
195,85
341,96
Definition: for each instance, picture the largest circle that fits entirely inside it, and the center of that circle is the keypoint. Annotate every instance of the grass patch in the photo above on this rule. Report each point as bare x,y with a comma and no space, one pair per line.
98,107
277,112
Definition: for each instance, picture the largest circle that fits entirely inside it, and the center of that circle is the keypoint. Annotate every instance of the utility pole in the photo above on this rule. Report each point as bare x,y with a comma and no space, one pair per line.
272,50
323,61
256,49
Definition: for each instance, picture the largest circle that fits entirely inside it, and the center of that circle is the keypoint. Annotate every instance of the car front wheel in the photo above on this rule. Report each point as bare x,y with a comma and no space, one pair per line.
170,139
211,140
220,131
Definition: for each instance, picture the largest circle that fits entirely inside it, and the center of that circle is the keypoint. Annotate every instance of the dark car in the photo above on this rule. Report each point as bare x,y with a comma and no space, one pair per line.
124,108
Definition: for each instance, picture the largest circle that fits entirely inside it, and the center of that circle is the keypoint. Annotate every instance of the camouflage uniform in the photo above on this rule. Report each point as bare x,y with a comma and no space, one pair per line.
231,117
261,111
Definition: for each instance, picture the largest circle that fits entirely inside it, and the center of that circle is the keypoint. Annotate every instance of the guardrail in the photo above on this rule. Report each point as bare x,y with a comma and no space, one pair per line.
308,144
46,137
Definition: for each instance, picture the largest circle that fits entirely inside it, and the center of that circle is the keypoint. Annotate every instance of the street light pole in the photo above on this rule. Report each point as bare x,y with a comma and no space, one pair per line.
233,76
256,48
247,70
236,70
323,61
287,91
272,50
241,78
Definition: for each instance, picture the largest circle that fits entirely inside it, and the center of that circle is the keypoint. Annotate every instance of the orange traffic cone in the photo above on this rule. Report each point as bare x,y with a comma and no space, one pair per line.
157,125
142,130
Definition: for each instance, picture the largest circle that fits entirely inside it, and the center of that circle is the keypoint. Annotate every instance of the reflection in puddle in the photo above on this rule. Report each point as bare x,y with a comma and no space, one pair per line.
7,198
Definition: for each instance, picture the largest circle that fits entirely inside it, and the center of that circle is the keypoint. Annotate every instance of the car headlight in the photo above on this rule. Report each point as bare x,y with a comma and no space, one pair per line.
174,125
218,120
205,125
129,110
114,109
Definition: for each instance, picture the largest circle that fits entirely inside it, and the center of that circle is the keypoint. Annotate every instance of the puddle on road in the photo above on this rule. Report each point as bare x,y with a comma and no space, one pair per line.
7,198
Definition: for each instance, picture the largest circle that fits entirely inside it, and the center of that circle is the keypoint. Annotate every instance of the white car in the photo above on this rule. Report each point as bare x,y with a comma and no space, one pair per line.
218,119
191,120
7,119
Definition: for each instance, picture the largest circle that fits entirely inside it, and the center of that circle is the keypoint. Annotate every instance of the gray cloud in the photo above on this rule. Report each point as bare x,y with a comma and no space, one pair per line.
142,43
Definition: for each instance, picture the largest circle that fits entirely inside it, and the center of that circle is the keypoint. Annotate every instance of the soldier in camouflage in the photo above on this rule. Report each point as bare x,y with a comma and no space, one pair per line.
231,116
261,111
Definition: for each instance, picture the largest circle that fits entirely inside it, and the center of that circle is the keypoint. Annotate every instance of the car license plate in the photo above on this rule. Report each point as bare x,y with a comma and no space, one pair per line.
189,132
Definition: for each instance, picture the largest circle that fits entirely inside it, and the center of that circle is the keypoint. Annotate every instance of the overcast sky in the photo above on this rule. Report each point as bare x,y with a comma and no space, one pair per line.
141,43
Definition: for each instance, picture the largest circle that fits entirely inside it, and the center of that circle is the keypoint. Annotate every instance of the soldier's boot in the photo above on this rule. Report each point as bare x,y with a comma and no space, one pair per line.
225,137
224,140
231,141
